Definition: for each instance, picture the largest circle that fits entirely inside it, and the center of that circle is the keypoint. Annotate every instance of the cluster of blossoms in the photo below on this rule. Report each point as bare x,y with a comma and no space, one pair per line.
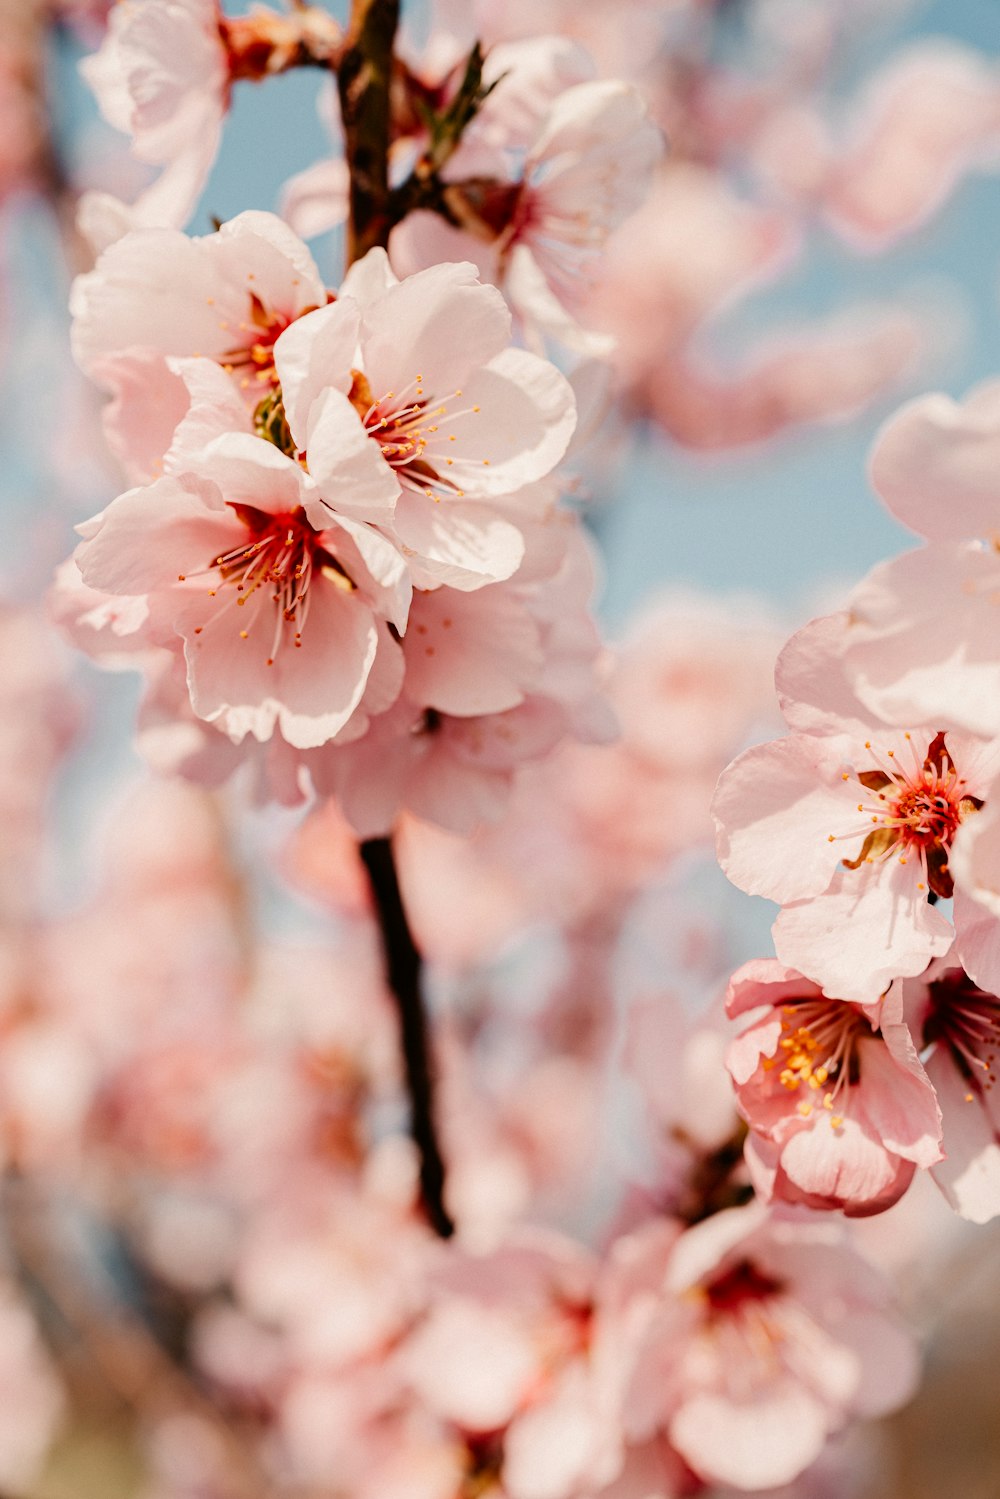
345,572
534,186
706,1346
872,1046
343,548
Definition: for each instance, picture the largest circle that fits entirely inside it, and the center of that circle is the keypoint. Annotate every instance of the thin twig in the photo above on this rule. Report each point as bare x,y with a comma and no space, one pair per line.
403,970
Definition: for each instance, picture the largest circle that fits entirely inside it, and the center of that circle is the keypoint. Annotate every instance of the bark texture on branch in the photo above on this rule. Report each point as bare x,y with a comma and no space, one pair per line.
364,79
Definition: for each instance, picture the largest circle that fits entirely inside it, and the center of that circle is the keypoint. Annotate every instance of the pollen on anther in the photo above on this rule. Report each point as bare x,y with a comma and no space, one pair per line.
182,577
244,634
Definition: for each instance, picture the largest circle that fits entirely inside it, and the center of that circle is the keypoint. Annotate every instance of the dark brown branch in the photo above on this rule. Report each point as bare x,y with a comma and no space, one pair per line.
403,971
364,79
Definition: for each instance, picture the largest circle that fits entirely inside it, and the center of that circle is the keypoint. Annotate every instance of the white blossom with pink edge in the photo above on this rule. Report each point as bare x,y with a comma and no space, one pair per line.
278,617
539,232
772,1334
785,810
158,294
922,638
161,76
840,1111
414,412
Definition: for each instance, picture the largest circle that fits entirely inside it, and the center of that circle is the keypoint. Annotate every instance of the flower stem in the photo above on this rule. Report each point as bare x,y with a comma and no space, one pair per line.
403,971
364,79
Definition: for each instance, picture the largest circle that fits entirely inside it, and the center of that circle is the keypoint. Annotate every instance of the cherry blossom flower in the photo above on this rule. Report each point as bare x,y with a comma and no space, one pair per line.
587,168
839,1108
921,641
786,810
772,1334
417,415
279,617
405,418
226,296
161,76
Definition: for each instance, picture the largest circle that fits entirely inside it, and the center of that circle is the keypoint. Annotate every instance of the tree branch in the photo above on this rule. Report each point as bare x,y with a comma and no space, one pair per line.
403,971
364,79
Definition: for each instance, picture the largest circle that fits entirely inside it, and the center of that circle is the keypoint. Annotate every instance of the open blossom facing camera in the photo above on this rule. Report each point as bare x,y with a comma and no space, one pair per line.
404,399
158,294
278,616
840,1110
772,1335
414,412
850,827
